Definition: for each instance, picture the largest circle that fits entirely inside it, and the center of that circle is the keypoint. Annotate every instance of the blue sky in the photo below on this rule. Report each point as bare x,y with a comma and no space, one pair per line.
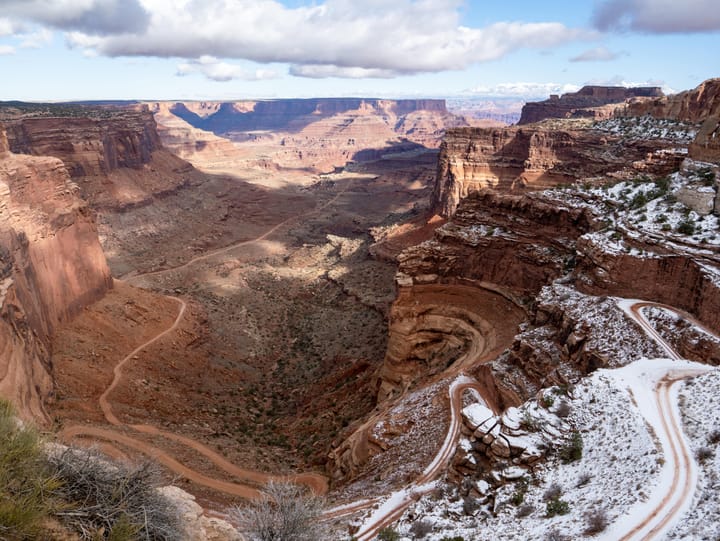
234,49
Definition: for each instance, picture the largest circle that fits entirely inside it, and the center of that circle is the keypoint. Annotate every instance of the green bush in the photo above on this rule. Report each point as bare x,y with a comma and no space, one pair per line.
26,485
456,538
388,534
556,506
572,450
686,227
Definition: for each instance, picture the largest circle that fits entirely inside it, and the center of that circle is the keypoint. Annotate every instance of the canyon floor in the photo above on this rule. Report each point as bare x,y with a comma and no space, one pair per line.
286,322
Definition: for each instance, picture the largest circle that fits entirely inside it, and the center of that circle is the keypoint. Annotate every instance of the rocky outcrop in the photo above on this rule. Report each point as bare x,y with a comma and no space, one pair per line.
588,102
518,242
659,275
51,266
114,154
516,159
695,105
706,146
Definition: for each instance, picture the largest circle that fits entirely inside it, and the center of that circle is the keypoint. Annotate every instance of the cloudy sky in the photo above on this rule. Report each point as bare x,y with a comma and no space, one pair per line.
225,49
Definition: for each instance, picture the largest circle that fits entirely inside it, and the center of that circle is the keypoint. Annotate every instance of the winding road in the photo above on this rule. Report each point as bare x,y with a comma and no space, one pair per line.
654,388
642,524
318,483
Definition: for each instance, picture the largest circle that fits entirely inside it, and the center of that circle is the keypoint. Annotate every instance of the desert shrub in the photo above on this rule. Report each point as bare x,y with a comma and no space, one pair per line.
555,535
704,453
456,538
420,528
714,437
556,506
596,520
285,511
583,480
470,505
564,409
686,227
553,492
26,484
521,488
525,510
572,450
113,501
547,400
386,534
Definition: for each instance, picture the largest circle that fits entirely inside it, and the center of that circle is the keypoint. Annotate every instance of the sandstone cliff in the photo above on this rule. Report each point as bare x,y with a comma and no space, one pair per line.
113,153
694,105
588,102
51,266
507,159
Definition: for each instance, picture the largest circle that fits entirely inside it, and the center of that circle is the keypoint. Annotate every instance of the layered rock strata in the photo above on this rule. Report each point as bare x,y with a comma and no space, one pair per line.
114,154
588,102
51,266
694,105
512,159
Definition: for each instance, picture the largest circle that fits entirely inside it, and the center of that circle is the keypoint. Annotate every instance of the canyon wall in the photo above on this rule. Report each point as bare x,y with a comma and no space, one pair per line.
51,266
510,159
114,154
588,102
694,105
289,114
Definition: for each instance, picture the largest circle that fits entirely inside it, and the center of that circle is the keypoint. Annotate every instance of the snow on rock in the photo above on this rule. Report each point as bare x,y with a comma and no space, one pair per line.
477,414
620,467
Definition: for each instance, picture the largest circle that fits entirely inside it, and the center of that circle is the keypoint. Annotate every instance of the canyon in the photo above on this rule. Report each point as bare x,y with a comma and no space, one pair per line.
316,287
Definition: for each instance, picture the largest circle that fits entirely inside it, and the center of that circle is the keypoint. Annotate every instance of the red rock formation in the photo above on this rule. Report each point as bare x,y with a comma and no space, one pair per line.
509,159
51,266
588,102
115,154
706,146
694,105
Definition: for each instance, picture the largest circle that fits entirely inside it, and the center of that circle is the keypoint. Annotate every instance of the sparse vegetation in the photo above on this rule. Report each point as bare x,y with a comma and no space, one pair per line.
386,534
556,506
572,450
25,480
113,501
704,453
421,528
525,510
521,488
286,511
596,521
686,227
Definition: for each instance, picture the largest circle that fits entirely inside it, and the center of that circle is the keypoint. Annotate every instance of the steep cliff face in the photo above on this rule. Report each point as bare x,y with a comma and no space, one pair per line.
706,146
675,279
51,266
290,114
509,159
588,102
694,105
312,135
115,154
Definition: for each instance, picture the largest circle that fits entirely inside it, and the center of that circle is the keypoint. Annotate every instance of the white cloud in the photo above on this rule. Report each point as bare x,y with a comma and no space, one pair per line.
35,40
619,80
320,71
658,16
95,17
214,69
338,38
597,54
524,90
6,50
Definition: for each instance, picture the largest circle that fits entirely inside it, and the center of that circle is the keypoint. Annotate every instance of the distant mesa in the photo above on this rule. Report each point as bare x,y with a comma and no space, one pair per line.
588,102
289,114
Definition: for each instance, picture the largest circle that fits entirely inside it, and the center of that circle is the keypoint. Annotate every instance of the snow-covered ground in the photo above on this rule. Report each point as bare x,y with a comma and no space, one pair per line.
647,127
700,410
